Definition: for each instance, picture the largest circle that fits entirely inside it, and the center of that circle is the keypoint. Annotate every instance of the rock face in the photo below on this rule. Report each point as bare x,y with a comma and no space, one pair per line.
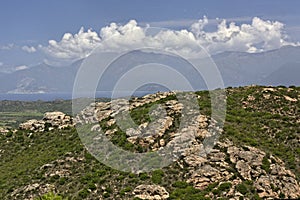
96,112
237,165
50,121
151,192
33,125
154,134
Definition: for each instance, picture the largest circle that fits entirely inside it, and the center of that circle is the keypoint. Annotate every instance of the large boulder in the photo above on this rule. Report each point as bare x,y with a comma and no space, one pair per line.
57,119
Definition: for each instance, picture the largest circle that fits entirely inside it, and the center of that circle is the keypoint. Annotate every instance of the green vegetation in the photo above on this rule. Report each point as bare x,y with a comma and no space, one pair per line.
58,160
266,163
264,123
188,193
223,187
35,159
49,196
157,176
13,119
14,112
242,188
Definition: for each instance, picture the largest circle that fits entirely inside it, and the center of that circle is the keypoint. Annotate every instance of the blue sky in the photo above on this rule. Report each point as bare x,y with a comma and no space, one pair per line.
35,22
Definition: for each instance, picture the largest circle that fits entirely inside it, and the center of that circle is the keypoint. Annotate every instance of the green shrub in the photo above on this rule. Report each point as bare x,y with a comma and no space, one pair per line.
210,187
101,172
54,178
216,191
106,195
180,184
157,176
50,196
125,190
92,186
120,177
9,134
242,188
62,180
83,193
102,181
143,176
132,175
281,195
225,186
88,156
109,190
188,193
266,164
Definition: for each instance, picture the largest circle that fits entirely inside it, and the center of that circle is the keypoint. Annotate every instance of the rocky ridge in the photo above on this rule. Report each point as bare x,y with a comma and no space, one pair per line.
226,163
155,133
233,169
50,121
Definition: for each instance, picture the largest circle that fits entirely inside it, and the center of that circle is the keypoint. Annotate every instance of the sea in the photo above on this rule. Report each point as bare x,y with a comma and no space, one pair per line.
67,96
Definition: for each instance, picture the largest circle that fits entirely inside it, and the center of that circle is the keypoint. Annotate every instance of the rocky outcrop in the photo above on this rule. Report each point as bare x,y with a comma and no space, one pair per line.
229,163
263,174
50,121
145,134
153,134
33,125
57,119
151,192
99,111
35,187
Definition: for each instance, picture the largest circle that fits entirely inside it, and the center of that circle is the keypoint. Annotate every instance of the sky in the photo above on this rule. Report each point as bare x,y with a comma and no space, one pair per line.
34,31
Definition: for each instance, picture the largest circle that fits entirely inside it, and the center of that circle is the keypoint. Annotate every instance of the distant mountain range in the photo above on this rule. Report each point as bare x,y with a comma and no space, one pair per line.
276,67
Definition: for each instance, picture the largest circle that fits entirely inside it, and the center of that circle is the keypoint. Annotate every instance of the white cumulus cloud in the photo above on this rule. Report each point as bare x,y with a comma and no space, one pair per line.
72,47
29,49
125,37
257,36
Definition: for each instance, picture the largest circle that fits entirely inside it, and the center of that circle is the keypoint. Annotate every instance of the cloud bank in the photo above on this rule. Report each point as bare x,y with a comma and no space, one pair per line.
7,47
257,36
29,49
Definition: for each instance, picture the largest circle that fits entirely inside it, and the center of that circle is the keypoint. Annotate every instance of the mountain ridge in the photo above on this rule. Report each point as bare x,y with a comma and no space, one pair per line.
237,69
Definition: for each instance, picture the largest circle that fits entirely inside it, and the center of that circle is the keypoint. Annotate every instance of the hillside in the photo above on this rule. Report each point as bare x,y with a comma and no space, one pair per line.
257,155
